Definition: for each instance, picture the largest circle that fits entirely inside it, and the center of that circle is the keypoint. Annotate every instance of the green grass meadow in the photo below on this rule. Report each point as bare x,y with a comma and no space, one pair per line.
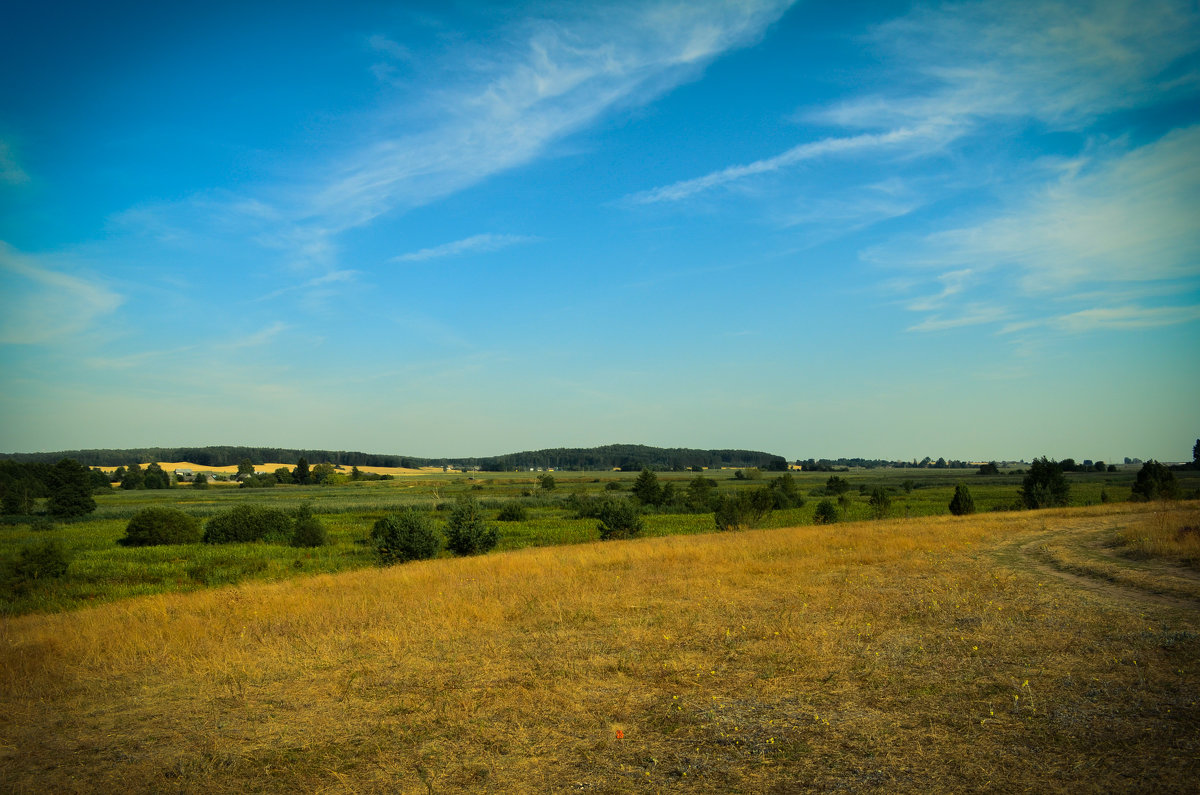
102,570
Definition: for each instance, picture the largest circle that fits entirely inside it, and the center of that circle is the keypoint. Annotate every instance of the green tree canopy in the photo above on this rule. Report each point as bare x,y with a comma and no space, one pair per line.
467,532
962,503
156,477
647,489
881,502
301,474
619,519
70,489
406,535
134,478
1155,481
1045,485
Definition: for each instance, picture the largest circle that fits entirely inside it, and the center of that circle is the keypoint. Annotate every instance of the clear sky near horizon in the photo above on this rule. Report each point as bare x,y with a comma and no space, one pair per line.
819,229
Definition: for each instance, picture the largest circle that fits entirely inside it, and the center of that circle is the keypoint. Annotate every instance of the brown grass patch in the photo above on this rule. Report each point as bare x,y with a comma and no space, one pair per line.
881,656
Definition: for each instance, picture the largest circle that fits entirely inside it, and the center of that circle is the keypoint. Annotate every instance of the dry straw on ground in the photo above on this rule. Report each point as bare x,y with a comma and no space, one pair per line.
919,655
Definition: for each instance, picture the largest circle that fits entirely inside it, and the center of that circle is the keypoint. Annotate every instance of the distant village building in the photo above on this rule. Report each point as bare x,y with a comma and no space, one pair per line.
184,474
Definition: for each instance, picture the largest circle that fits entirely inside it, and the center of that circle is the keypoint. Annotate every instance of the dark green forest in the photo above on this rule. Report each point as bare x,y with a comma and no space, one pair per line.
622,456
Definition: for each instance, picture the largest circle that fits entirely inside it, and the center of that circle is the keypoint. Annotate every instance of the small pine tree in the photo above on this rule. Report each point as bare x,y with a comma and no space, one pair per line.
962,503
647,489
619,519
467,533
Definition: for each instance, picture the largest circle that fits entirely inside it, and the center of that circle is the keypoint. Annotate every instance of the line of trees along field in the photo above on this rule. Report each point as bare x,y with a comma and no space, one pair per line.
623,456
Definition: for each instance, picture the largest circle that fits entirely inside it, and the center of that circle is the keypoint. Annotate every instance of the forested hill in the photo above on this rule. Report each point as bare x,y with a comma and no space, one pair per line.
625,456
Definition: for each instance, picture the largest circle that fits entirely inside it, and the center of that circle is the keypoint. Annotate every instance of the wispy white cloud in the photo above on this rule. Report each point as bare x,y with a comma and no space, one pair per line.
1126,216
1126,318
953,283
812,150
479,110
971,315
261,337
318,283
1062,62
470,245
559,76
40,305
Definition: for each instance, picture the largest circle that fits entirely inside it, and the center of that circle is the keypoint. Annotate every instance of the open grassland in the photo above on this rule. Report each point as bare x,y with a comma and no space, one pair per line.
903,655
101,570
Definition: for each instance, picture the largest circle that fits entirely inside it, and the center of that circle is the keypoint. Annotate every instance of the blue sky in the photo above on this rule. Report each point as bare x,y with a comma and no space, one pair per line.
819,229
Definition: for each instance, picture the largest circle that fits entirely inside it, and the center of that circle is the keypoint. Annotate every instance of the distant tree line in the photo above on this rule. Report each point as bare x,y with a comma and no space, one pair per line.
630,457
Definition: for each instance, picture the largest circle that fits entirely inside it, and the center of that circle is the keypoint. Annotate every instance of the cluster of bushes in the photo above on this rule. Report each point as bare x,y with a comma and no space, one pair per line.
243,523
412,534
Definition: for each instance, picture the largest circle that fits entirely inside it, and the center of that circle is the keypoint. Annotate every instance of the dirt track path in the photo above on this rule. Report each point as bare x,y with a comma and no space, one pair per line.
1075,552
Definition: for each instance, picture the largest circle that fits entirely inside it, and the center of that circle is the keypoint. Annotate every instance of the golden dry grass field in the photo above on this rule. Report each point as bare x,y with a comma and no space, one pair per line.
1004,652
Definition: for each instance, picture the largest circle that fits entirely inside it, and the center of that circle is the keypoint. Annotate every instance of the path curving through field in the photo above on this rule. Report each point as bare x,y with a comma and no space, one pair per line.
1080,553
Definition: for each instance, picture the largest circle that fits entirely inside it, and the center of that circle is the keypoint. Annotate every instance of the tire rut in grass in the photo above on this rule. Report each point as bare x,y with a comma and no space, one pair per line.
1086,539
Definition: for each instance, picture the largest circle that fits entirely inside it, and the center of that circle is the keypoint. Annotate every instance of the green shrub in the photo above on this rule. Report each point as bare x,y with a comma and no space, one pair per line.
42,525
155,526
1154,482
962,504
42,561
836,485
619,519
881,502
249,523
613,485
785,493
308,531
1045,486
826,513
467,533
513,512
745,509
407,535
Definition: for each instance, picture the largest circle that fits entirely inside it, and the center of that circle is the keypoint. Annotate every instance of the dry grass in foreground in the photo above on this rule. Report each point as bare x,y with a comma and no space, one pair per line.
909,656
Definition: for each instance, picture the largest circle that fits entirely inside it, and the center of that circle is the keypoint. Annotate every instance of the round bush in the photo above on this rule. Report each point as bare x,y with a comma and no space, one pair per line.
407,535
467,533
309,531
512,512
619,519
151,527
249,523
826,513
44,561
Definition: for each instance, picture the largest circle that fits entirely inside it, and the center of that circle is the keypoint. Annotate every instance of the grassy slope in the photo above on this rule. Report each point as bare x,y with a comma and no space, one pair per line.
903,655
